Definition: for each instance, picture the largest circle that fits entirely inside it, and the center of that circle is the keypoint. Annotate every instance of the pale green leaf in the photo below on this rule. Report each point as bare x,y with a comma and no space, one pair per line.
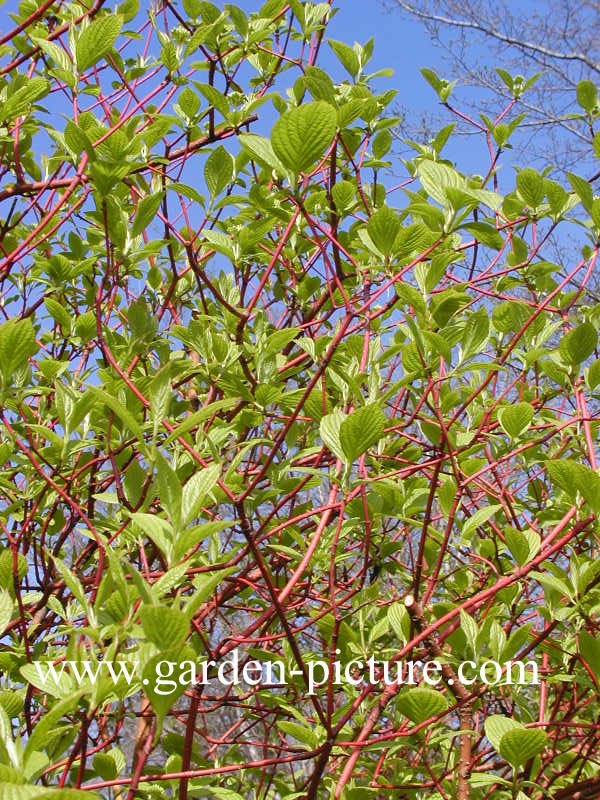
196,489
164,626
6,610
516,419
302,136
578,344
420,704
218,171
146,212
519,745
480,517
97,40
496,726
329,429
261,150
361,430
383,228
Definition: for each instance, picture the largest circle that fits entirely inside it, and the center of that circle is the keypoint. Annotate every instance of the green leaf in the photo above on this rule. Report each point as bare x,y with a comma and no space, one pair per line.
578,344
218,171
476,333
261,150
517,746
302,733
319,84
6,739
78,141
469,628
524,545
145,213
496,726
302,136
420,704
436,178
530,185
383,227
344,195
20,102
573,477
400,621
516,419
215,98
382,143
589,647
56,53
189,102
6,610
170,57
205,585
486,234
360,430
582,189
170,491
12,791
164,626
17,344
592,377
62,687
222,794
97,40
329,430
59,313
120,410
160,393
157,530
201,416
48,722
196,489
109,765
587,95
347,57
480,517
161,679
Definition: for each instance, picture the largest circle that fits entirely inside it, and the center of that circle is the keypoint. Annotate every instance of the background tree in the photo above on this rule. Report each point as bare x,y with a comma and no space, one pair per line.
259,405
554,40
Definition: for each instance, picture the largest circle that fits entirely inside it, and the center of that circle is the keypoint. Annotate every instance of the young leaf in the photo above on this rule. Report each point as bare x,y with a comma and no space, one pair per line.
301,137
164,626
523,545
329,429
347,57
20,102
420,704
516,419
360,430
517,746
218,171
496,726
6,610
587,95
578,344
480,517
589,647
530,185
97,40
170,491
17,344
146,212
383,227
196,489
261,149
